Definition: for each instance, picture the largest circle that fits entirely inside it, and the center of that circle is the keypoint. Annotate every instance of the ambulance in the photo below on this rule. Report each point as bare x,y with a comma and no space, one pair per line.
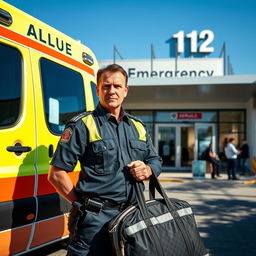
46,78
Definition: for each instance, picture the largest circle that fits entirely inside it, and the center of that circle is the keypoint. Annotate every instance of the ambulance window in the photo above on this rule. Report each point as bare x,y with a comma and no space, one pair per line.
10,84
63,93
94,94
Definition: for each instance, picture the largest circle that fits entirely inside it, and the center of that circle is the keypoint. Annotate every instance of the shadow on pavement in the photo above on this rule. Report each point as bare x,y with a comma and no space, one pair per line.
230,226
56,249
225,218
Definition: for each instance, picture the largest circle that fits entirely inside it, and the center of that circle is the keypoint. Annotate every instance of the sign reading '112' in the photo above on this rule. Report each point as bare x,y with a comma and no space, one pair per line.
205,38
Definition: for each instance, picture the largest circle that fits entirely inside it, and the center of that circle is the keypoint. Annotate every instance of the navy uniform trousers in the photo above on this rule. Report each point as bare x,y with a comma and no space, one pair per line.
92,235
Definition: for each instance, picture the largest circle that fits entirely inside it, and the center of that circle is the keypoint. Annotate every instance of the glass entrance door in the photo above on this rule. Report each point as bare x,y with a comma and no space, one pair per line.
175,144
180,144
187,145
166,144
204,134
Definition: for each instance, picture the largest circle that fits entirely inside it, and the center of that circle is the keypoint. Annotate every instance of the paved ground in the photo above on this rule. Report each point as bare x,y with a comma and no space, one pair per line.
225,212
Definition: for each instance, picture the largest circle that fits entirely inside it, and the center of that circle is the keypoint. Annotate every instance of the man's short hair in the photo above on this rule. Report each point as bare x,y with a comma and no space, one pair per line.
231,139
112,68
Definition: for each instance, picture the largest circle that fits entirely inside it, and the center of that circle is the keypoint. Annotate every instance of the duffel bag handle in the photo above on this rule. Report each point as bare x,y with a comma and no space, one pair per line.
153,184
141,200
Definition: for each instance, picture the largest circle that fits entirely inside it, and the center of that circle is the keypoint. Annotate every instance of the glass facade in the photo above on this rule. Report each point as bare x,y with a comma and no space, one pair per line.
224,124
232,124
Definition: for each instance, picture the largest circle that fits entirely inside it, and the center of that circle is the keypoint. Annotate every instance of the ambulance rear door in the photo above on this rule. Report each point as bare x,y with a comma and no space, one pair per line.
60,95
17,146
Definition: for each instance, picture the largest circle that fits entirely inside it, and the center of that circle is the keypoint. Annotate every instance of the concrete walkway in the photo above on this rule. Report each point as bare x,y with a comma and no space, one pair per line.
225,210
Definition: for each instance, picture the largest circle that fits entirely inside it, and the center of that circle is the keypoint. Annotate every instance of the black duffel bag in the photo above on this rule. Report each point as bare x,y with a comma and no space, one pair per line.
157,227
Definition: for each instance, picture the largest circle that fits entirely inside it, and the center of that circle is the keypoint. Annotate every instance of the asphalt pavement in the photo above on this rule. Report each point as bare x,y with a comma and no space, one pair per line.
225,211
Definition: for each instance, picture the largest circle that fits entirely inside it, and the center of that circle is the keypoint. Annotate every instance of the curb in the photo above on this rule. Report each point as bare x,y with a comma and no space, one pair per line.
170,180
250,182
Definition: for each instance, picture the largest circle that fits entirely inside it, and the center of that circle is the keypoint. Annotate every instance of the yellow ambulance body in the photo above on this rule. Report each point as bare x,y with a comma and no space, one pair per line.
46,78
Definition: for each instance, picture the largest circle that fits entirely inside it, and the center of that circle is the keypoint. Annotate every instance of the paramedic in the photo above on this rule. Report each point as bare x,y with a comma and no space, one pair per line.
113,149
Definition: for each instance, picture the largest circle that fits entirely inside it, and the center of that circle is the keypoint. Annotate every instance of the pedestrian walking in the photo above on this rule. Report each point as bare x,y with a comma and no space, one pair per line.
231,154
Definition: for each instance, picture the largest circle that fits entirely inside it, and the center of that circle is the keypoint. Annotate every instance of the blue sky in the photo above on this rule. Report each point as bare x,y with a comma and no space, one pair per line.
134,25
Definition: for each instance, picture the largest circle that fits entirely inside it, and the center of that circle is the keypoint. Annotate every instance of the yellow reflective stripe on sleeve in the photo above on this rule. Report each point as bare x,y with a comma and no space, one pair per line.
92,128
94,134
141,129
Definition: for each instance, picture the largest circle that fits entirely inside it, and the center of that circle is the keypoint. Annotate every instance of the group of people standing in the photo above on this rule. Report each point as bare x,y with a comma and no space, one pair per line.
231,154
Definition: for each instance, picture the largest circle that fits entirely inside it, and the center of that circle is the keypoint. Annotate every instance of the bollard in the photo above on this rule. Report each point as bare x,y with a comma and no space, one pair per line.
198,169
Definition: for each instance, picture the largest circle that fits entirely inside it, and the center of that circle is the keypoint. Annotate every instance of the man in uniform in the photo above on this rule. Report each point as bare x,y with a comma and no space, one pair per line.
114,149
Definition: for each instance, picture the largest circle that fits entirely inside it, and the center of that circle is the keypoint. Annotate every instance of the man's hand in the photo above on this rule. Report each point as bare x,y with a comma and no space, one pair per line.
139,170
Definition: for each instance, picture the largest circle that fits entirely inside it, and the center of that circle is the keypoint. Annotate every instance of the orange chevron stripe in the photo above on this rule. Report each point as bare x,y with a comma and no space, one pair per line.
7,33
44,187
16,187
13,188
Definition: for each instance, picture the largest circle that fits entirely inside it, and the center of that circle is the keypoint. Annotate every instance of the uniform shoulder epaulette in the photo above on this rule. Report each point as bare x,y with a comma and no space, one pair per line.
136,119
80,116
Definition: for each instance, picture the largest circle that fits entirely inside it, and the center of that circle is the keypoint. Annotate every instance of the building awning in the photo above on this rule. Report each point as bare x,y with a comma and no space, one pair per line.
232,88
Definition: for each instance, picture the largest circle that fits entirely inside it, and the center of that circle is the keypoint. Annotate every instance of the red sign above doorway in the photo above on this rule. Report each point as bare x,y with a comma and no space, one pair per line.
186,115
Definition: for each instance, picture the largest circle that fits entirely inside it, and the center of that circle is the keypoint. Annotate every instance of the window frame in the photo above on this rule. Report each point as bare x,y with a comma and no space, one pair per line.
43,93
21,82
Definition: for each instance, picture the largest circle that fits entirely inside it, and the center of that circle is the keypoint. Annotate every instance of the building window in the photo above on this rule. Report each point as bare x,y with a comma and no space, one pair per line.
232,116
63,93
231,125
232,128
10,85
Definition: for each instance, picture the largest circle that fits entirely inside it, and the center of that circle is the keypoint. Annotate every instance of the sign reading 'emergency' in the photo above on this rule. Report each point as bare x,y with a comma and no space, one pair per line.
169,68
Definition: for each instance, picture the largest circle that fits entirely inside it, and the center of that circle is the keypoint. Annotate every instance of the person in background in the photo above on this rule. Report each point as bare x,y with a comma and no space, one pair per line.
224,143
114,149
244,158
212,158
231,154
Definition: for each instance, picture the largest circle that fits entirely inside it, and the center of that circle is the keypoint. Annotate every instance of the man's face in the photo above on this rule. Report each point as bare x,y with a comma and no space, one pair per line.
112,90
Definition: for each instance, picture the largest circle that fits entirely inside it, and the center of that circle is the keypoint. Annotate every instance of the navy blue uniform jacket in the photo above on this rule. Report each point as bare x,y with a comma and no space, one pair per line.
103,162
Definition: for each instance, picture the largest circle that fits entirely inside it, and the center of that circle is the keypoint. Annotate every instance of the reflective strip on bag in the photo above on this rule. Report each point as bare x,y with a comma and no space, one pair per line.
185,211
156,220
136,227
161,219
